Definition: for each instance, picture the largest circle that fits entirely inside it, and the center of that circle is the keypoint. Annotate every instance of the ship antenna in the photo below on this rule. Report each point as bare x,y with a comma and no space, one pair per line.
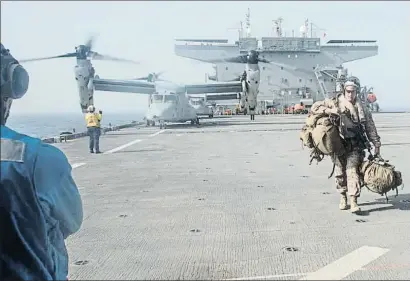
306,27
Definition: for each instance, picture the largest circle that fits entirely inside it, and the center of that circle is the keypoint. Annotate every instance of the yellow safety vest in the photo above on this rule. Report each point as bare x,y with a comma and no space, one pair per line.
93,119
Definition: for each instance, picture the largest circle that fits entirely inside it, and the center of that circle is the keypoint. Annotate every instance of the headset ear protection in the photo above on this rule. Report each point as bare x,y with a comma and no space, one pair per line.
14,78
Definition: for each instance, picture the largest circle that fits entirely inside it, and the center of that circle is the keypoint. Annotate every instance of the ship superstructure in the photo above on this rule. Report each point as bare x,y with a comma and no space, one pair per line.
305,69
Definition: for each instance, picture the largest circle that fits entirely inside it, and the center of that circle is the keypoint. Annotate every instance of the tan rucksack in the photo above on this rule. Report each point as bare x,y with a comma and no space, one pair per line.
380,177
305,134
326,137
321,134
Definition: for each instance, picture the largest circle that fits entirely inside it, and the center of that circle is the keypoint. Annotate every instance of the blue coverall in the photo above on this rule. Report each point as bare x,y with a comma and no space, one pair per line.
40,206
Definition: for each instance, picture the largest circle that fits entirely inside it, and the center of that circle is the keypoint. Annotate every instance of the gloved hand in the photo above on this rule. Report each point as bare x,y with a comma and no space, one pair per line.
100,111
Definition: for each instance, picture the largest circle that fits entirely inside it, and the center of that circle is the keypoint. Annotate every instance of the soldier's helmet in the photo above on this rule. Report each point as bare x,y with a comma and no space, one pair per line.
91,108
355,80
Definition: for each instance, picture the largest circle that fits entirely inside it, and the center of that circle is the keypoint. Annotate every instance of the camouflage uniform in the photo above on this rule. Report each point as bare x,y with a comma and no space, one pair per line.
347,166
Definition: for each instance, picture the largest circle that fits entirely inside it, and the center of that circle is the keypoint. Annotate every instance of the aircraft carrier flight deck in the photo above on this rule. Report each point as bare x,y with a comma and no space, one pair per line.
232,199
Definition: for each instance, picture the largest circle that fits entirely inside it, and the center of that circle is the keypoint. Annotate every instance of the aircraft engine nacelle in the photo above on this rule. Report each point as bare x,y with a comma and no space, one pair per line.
90,85
85,83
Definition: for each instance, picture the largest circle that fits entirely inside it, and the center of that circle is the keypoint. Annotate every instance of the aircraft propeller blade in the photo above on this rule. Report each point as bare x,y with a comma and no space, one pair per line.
97,56
84,51
68,55
154,76
250,57
89,43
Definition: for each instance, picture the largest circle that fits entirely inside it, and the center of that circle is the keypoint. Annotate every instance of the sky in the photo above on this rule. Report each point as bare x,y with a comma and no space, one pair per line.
145,32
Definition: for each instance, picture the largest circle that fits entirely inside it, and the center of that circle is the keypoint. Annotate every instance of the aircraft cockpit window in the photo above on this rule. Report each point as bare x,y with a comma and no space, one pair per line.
197,102
170,99
157,98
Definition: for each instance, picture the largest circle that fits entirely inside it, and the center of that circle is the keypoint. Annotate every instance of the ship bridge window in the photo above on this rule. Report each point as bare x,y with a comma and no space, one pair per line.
157,98
170,99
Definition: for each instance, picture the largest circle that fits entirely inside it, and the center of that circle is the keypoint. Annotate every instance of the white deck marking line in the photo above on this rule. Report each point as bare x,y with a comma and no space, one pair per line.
122,146
348,264
131,143
336,270
157,133
268,277
76,165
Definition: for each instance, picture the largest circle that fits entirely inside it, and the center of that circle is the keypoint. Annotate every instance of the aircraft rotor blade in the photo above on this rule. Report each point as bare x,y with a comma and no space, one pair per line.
237,59
98,56
158,74
235,80
68,55
141,78
90,42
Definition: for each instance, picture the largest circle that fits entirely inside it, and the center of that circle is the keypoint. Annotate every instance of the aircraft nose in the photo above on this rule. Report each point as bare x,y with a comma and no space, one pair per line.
163,112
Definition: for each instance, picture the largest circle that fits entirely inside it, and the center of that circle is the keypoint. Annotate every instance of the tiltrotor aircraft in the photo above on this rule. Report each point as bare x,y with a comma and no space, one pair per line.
182,110
250,79
170,102
84,71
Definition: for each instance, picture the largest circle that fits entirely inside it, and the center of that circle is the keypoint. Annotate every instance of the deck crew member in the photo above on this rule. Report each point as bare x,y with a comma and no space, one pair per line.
40,205
93,120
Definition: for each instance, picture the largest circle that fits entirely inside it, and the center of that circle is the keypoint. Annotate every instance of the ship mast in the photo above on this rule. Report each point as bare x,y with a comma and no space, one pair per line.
248,23
278,26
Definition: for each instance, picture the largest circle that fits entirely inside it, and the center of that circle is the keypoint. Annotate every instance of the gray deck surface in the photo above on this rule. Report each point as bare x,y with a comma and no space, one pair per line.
142,201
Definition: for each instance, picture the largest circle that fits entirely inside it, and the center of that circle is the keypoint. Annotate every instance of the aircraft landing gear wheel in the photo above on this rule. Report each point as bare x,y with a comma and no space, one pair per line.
211,115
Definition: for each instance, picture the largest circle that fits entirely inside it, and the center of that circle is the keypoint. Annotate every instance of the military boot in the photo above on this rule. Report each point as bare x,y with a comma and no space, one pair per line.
343,202
353,205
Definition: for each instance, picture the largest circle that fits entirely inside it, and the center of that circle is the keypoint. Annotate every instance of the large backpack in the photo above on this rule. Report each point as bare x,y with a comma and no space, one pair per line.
321,134
380,177
305,134
326,137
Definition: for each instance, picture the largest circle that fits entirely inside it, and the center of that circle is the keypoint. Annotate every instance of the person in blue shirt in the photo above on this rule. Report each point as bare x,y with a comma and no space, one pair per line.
40,205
